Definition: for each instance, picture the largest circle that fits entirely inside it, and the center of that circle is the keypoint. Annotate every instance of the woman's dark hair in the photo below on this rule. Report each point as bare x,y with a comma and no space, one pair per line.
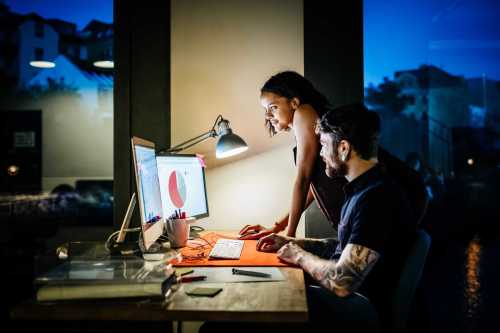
353,123
291,84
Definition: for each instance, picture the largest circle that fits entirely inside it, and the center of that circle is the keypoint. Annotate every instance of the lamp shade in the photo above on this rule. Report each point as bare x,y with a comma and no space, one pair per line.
229,144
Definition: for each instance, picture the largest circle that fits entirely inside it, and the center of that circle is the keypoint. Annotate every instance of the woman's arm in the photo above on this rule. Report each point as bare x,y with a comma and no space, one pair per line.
283,223
257,231
307,151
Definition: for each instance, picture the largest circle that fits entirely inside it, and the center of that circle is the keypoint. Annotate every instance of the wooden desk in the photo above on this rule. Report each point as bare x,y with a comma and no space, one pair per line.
281,301
277,301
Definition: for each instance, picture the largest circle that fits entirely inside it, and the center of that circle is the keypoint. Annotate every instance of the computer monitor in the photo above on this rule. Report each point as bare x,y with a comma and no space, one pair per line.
182,185
148,190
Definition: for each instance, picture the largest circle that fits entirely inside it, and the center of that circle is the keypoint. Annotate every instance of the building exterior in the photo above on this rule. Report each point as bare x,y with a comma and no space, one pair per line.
71,100
444,102
24,38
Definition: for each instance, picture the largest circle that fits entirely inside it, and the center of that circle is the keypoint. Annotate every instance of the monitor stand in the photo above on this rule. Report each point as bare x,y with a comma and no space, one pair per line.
119,247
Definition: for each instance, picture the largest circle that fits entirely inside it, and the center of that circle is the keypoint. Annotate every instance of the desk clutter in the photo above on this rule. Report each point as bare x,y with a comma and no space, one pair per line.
101,279
242,274
197,253
136,278
90,272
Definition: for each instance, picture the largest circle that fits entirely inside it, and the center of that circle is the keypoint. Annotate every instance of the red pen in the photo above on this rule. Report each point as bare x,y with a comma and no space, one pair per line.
193,278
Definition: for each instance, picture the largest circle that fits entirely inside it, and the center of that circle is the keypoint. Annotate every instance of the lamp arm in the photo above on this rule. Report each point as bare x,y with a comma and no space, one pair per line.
191,142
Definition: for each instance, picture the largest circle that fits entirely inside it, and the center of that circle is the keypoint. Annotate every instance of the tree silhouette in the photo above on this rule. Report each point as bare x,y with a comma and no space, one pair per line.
388,95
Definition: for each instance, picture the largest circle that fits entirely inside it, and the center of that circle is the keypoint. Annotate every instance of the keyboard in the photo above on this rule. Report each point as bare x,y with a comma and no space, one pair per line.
227,249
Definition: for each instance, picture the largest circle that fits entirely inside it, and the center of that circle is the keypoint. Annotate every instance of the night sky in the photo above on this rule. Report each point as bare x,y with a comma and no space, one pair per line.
460,36
79,12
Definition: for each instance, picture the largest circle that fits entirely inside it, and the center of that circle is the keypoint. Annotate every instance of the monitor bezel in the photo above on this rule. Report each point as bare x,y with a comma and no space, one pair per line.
160,224
199,216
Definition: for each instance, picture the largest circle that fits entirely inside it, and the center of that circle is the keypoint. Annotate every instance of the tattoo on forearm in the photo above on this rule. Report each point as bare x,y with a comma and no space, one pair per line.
323,248
345,275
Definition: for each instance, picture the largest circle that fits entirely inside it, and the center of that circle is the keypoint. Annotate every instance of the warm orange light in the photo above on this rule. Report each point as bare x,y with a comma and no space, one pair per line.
470,161
472,276
13,170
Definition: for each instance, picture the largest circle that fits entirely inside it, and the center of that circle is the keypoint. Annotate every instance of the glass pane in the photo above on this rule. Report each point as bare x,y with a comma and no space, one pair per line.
56,106
432,72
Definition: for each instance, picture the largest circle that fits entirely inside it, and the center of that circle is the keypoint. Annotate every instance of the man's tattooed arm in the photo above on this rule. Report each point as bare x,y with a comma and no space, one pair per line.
345,275
323,248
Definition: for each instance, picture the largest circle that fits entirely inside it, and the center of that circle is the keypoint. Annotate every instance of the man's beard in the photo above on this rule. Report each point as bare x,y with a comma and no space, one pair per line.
339,168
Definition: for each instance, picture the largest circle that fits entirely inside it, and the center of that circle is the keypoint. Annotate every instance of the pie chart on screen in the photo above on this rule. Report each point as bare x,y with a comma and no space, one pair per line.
177,189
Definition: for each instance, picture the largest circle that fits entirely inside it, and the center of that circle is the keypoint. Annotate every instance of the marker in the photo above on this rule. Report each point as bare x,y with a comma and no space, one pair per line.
250,273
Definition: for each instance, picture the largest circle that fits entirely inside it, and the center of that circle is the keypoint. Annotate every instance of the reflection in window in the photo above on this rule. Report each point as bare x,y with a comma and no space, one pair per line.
57,123
38,53
39,29
436,83
432,73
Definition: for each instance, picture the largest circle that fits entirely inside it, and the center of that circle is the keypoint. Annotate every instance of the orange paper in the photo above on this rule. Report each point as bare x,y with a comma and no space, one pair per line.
196,254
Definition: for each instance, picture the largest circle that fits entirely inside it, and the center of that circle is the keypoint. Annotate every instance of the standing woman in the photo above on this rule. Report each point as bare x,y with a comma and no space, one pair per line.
291,103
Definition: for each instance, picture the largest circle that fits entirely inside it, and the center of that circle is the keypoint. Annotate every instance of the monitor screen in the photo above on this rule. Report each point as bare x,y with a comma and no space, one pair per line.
148,190
182,185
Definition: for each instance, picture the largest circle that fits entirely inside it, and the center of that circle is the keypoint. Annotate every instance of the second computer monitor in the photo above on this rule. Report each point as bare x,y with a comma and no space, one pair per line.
148,190
182,185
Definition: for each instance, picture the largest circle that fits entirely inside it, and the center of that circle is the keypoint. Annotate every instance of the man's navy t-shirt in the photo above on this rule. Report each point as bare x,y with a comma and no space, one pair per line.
376,215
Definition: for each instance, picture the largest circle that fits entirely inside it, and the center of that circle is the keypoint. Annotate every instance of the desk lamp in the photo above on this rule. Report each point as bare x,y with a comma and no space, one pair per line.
229,144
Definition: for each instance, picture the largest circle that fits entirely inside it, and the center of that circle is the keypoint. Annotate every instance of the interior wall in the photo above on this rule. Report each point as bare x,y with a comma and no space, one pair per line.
255,190
221,54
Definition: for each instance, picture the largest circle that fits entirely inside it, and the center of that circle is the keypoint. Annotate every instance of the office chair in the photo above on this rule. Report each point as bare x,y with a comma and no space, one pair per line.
408,281
403,294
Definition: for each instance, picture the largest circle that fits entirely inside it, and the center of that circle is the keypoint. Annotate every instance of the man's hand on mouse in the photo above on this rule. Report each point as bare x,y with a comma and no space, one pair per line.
272,242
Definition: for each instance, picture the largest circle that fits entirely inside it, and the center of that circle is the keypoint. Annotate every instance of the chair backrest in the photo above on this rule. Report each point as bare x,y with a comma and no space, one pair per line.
408,281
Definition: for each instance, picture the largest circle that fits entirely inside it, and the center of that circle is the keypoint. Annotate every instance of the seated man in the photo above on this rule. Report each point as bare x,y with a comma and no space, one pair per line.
376,227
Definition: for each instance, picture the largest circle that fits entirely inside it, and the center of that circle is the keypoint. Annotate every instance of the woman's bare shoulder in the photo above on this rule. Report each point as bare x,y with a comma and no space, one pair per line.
306,111
305,116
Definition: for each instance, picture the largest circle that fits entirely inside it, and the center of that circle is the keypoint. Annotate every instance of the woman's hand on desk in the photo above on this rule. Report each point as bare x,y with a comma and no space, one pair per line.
254,232
257,231
272,243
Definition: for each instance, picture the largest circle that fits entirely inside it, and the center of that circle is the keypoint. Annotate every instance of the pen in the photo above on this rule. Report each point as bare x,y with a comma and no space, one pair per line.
250,273
193,278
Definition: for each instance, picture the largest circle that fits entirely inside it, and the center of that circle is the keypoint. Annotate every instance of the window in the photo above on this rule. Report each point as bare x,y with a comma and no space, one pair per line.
67,177
39,29
83,52
39,53
449,132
